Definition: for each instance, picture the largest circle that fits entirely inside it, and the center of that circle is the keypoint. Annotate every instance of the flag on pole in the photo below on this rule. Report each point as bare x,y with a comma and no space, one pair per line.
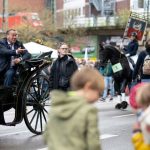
135,24
86,55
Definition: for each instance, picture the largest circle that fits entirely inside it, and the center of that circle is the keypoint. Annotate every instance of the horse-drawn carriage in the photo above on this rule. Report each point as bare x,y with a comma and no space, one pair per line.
29,96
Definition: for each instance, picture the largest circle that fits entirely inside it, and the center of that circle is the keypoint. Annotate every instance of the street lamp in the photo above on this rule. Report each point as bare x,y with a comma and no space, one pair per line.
5,15
148,2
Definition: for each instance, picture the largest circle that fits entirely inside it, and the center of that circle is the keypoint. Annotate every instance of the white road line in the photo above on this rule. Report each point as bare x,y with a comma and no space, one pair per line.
8,134
123,116
106,136
43,149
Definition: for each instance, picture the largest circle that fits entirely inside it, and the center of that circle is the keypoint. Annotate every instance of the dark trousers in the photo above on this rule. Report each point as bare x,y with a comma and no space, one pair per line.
9,77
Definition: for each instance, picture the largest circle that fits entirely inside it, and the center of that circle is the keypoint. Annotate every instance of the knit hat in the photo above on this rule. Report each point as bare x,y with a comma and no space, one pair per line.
132,95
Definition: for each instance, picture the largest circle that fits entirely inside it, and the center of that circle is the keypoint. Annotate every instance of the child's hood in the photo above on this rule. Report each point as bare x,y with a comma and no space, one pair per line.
146,116
65,104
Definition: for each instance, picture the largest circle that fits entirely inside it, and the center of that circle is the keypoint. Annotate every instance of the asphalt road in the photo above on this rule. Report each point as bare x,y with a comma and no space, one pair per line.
115,127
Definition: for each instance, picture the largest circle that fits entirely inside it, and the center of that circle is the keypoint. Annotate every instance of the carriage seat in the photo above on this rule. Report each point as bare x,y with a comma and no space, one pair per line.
34,62
31,63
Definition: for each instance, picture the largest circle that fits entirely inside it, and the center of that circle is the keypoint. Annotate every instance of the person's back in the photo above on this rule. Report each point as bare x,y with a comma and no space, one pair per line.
140,64
108,70
73,122
108,80
69,123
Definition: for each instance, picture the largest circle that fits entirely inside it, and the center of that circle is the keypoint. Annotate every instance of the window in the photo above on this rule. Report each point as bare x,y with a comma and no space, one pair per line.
79,12
35,17
140,3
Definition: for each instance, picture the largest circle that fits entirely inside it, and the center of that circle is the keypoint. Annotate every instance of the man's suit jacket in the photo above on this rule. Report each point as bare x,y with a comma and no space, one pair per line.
6,52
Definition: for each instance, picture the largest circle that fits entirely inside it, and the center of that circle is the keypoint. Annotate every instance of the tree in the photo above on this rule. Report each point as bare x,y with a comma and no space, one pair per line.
122,17
28,33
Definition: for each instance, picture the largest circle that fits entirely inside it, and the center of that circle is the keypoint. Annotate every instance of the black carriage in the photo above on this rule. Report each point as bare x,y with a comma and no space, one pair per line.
29,96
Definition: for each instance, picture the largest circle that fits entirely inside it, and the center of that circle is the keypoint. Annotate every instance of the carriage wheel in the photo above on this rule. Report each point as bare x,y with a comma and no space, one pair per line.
37,102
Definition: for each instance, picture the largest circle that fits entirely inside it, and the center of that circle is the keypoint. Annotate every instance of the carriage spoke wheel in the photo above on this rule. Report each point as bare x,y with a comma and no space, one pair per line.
37,102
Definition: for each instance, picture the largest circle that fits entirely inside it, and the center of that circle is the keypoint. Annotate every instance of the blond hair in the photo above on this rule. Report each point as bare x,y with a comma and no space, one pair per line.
143,95
85,75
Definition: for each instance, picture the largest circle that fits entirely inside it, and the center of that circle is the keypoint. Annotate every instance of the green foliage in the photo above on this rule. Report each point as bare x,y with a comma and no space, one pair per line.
123,17
27,33
2,35
71,34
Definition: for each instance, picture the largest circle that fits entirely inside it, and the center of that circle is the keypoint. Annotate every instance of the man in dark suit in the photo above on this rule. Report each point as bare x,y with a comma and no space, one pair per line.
12,52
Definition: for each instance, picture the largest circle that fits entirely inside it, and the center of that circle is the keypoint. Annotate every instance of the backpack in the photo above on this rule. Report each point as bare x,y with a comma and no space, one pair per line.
108,70
101,70
146,65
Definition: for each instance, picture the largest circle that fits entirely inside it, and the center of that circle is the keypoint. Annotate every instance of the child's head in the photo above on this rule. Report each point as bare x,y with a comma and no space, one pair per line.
90,81
132,96
143,96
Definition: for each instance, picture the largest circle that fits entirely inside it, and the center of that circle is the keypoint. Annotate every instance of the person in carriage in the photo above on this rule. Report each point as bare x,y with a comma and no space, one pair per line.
12,52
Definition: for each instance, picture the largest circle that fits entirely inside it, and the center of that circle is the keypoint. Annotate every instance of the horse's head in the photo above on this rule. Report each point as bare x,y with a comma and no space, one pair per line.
101,45
110,53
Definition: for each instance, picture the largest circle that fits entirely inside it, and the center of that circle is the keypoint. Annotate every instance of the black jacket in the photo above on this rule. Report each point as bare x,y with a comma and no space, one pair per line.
61,72
132,47
6,53
139,65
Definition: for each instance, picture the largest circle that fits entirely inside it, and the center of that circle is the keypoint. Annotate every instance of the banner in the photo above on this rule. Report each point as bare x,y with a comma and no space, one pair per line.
136,25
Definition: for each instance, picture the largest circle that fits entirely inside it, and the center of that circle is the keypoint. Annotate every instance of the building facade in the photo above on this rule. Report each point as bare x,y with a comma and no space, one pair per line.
11,7
59,13
21,5
95,12
87,12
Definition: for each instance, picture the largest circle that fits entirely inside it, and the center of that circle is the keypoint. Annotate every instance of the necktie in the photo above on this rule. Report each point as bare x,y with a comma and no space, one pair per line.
12,57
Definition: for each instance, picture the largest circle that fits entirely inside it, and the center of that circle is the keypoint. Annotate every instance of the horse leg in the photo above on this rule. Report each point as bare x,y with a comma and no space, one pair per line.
2,120
117,89
124,103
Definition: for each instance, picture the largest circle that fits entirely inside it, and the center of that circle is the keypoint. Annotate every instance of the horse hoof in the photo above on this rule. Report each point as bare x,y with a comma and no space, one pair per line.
124,105
118,106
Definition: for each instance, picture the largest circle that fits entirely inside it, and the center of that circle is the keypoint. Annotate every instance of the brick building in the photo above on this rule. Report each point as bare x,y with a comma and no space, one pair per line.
122,4
23,5
59,12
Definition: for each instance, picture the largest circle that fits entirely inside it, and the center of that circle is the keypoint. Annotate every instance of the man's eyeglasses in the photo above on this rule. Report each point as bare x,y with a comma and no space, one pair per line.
64,48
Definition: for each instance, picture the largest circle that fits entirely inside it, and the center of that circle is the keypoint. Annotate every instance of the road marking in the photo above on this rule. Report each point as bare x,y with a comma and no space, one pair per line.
43,149
123,116
106,136
2,135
